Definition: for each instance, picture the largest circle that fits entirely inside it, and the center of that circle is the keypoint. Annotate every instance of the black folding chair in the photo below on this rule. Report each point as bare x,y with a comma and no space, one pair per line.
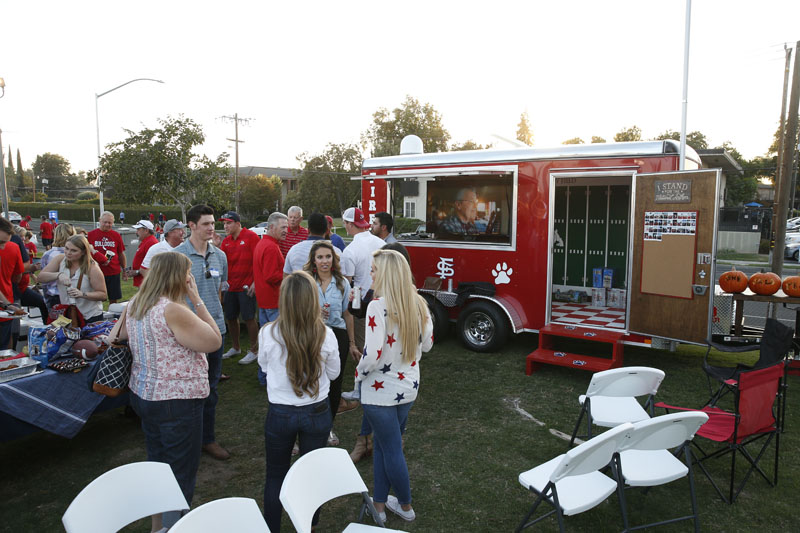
776,342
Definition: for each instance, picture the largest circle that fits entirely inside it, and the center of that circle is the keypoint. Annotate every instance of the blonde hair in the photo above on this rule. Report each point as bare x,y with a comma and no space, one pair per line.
80,242
165,277
336,271
302,331
404,307
62,232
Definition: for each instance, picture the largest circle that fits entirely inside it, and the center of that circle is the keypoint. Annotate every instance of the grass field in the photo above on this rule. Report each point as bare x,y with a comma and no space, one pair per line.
466,444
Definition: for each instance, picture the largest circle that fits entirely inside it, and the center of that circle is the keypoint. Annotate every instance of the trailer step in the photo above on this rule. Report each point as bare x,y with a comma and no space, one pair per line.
548,353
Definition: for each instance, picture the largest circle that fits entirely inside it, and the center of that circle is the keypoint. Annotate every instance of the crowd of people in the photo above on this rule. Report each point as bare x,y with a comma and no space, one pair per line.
307,300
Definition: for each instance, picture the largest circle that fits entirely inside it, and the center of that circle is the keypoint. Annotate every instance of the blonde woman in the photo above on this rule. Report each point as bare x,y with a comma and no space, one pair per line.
299,354
399,329
79,277
62,232
169,375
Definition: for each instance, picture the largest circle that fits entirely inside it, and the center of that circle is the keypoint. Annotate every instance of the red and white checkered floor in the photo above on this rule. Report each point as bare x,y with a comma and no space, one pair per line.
583,314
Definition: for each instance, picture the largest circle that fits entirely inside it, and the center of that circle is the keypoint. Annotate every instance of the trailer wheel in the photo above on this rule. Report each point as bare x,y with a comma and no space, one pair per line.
439,317
482,327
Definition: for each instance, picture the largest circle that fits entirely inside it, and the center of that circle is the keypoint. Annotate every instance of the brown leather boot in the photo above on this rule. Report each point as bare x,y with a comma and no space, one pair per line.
363,448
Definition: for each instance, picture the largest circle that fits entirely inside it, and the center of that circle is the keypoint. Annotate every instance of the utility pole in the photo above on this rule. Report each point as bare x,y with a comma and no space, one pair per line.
235,118
786,158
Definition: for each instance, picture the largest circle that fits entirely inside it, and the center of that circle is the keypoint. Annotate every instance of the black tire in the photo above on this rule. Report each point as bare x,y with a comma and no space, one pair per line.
439,317
796,255
483,327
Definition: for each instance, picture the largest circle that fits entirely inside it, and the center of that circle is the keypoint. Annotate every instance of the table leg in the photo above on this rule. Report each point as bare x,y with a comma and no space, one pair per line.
738,317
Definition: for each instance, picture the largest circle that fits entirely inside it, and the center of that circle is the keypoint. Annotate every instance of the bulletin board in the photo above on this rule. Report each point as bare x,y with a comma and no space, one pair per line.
668,253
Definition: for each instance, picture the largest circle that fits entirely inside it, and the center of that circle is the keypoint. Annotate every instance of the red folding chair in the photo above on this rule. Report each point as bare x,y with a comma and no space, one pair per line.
756,420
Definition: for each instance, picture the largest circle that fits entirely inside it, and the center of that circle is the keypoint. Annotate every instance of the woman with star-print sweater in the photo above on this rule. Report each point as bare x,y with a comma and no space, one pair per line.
398,330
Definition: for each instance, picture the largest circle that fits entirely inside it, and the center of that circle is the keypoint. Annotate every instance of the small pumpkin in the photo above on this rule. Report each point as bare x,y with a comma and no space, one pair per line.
733,281
791,286
765,283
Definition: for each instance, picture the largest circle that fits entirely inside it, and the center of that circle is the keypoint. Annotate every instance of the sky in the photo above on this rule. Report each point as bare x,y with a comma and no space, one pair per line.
310,73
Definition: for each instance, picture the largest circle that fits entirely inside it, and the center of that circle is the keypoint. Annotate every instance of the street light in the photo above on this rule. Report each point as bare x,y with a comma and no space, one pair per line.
97,124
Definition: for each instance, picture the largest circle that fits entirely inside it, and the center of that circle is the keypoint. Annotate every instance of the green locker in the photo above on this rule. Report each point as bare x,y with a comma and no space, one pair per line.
559,234
618,234
576,236
596,230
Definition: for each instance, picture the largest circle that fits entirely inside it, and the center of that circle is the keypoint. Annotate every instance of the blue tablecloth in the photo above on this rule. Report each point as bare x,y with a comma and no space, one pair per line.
56,402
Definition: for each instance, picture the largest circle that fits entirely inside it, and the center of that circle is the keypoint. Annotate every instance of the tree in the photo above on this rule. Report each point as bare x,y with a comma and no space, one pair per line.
634,133
325,184
259,193
740,189
524,133
574,140
10,165
56,170
597,140
411,118
20,175
695,139
159,165
468,145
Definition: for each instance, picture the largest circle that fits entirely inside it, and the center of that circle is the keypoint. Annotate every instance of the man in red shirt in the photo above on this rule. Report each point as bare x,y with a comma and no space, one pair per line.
145,233
11,269
268,267
239,299
46,233
296,233
109,253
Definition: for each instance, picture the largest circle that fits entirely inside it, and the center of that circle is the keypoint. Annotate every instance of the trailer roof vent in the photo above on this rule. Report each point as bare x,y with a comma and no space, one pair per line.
411,144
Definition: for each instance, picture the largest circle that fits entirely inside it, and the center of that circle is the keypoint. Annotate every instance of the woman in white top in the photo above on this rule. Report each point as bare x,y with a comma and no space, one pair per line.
300,356
80,275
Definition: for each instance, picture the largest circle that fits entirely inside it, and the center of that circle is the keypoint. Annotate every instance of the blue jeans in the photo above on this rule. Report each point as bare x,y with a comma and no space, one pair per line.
265,316
173,433
283,425
388,462
210,405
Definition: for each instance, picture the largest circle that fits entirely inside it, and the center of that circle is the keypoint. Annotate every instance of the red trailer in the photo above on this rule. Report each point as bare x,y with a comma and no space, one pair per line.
603,242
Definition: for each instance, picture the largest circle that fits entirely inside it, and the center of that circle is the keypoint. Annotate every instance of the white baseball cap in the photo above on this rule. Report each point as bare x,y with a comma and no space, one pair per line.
146,224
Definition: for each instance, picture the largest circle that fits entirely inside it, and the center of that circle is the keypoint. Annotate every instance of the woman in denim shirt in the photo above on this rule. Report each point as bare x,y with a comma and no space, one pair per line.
333,292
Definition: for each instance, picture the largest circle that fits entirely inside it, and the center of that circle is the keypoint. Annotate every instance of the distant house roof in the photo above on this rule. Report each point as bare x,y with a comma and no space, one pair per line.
283,173
719,158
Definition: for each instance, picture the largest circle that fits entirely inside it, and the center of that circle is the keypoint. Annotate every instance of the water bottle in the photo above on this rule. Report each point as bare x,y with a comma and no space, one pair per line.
356,297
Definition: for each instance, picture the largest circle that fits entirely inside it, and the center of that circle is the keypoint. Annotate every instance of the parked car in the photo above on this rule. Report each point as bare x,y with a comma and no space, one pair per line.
13,217
260,229
792,251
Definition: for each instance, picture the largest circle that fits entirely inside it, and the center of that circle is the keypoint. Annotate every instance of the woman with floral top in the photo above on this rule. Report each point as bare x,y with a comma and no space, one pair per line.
398,330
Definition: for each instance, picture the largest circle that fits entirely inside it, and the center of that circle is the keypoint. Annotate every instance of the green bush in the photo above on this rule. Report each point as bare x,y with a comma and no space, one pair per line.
86,195
91,211
405,225
763,246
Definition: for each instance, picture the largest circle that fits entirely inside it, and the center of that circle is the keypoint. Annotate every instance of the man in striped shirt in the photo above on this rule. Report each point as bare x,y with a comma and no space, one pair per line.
296,232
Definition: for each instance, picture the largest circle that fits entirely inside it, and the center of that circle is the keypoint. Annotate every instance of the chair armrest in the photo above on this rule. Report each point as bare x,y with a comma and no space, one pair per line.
732,349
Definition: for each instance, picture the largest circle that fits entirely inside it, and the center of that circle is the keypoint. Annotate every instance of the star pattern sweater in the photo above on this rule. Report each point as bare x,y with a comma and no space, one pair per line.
386,379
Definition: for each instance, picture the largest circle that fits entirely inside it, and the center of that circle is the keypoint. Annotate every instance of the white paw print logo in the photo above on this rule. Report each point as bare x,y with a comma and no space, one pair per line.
501,274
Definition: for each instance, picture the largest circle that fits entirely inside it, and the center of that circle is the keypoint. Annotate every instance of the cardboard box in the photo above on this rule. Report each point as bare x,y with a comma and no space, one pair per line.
598,297
616,298
608,278
597,277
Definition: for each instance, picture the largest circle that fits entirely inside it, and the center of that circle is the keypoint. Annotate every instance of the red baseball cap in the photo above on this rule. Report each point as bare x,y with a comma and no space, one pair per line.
356,216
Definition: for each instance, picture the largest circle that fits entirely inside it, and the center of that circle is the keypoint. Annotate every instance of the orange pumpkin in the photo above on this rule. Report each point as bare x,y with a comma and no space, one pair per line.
791,286
765,283
733,280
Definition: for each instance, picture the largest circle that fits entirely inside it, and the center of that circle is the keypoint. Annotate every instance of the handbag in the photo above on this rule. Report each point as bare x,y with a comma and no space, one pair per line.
70,311
111,374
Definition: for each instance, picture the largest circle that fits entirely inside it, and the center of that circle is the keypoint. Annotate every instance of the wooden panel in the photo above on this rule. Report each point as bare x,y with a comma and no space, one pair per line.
685,319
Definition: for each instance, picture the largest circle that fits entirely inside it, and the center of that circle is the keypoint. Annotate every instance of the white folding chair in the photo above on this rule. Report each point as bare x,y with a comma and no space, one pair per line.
318,477
123,495
241,515
645,460
611,400
571,483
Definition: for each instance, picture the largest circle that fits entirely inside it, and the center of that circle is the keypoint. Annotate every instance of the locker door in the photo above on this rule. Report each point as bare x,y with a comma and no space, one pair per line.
576,237
618,215
559,235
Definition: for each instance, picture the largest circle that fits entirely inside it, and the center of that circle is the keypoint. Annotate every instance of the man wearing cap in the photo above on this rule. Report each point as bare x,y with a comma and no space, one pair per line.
332,236
110,253
298,255
173,236
382,224
239,299
295,233
147,239
357,261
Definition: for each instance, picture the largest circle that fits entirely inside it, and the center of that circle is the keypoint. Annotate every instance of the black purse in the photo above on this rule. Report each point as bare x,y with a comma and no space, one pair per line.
111,374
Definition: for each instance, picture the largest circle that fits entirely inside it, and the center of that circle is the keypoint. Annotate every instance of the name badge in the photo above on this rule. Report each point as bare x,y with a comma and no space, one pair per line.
214,272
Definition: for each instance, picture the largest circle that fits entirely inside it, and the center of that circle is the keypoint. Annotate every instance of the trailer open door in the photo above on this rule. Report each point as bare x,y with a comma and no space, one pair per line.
674,248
